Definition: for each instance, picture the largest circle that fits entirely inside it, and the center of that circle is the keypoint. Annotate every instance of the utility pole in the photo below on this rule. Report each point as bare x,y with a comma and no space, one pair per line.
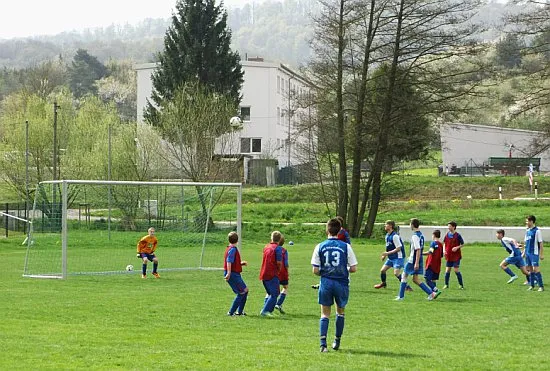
55,107
289,128
26,169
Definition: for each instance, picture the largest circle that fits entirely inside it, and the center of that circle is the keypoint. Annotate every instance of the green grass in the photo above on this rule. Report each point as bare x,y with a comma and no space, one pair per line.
178,322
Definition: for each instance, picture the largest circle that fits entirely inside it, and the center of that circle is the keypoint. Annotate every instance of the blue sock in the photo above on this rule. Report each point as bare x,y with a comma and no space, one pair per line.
425,288
532,278
242,303
402,289
539,279
270,303
459,276
281,299
235,305
447,276
155,266
509,272
383,277
323,329
339,325
431,284
144,269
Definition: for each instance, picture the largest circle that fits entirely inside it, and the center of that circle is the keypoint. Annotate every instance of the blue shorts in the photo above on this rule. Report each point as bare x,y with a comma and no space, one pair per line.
272,286
531,260
455,264
396,263
331,291
430,275
237,284
515,260
409,269
149,257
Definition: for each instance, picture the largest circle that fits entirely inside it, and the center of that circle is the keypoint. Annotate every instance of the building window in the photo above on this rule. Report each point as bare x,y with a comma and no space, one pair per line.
278,84
278,115
251,145
245,113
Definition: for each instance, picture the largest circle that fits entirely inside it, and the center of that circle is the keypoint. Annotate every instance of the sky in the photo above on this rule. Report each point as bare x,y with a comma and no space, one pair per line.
23,18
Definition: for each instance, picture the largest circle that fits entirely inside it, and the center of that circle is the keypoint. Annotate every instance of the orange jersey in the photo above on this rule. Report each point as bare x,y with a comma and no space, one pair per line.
147,244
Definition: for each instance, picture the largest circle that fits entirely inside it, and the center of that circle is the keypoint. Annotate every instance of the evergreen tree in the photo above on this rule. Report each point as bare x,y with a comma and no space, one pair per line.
84,71
196,47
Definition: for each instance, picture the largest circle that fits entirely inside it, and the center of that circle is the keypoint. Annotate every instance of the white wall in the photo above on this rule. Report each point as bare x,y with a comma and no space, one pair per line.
461,143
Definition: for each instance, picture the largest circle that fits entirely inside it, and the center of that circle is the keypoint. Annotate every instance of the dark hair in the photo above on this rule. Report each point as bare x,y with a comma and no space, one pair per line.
532,218
233,237
415,222
390,222
500,231
453,223
333,227
437,233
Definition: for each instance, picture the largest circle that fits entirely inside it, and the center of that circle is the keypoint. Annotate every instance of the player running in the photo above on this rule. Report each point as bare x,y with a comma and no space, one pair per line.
512,247
394,255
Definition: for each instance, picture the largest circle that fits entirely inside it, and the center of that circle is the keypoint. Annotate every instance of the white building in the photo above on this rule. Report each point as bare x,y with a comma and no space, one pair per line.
463,144
268,94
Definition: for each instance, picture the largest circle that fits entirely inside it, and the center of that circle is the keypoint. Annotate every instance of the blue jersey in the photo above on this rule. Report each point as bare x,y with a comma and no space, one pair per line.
510,247
333,257
533,240
417,245
393,241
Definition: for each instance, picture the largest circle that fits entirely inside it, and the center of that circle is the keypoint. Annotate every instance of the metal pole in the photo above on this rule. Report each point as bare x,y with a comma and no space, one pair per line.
239,215
26,169
109,186
64,191
55,106
536,190
289,124
500,193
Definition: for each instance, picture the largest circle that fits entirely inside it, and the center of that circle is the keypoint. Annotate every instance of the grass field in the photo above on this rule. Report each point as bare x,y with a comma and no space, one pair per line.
179,322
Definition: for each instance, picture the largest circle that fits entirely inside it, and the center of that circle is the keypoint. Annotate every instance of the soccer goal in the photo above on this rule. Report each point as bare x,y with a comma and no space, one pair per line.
84,227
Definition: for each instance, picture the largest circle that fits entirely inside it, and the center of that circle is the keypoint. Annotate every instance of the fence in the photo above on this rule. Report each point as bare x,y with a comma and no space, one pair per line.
11,224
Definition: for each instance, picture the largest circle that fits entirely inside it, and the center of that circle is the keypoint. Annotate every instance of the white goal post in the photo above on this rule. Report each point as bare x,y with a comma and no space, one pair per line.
82,227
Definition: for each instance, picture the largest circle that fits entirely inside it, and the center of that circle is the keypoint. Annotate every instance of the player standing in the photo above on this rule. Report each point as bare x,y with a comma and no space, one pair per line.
146,252
433,261
453,243
395,254
414,265
283,277
512,247
333,260
271,266
533,252
232,267
343,234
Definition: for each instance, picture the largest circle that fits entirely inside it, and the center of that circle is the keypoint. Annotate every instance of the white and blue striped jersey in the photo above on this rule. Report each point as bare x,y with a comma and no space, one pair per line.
334,257
417,245
510,246
533,240
392,242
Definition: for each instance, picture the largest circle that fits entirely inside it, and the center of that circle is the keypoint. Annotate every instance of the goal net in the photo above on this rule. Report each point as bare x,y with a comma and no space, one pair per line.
84,227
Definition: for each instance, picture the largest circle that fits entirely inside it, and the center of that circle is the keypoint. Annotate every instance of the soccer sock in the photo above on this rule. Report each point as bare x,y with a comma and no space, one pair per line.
281,299
383,277
398,276
339,325
242,303
532,278
270,304
235,305
265,299
144,269
425,288
539,279
155,266
323,329
447,276
402,288
459,276
431,284
509,272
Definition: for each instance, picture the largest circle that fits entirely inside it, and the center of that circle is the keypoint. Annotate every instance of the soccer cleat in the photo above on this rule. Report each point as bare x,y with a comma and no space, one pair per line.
230,314
526,282
398,298
408,289
336,344
381,285
461,287
541,289
280,309
445,287
143,276
434,295
266,314
530,288
241,314
316,287
156,275
324,349
512,279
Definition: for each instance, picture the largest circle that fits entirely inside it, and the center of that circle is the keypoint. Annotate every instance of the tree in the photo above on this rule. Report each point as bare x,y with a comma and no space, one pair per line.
196,48
508,51
84,71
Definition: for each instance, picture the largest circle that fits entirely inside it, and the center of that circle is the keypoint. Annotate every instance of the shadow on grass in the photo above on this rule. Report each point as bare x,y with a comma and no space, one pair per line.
379,353
458,300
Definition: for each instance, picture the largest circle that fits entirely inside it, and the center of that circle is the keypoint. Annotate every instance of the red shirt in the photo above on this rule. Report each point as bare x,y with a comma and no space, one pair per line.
283,273
269,268
236,266
450,242
433,261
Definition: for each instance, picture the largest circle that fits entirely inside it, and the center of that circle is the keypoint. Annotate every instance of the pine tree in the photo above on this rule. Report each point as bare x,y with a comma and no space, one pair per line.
84,71
196,47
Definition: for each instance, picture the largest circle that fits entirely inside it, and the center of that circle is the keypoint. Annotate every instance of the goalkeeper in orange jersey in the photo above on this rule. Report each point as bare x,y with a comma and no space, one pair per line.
146,252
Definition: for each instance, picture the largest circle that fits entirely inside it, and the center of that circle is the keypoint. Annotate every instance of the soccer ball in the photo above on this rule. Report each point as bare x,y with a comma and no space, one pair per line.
291,243
236,122
129,267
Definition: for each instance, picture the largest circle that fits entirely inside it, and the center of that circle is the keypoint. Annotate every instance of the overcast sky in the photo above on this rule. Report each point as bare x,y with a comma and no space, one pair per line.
21,18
